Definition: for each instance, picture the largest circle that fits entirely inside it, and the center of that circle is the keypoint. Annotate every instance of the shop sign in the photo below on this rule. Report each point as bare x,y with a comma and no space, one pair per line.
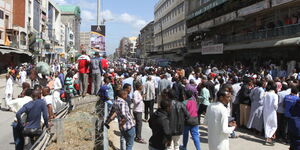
206,24
212,49
192,29
225,18
205,7
254,8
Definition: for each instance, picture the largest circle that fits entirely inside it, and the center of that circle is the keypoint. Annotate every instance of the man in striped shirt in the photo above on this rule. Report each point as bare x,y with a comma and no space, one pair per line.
121,110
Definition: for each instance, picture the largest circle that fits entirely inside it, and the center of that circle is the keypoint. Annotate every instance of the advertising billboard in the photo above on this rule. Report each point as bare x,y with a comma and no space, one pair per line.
97,38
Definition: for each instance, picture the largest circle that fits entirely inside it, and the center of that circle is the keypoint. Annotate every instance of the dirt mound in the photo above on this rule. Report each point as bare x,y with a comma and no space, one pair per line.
78,130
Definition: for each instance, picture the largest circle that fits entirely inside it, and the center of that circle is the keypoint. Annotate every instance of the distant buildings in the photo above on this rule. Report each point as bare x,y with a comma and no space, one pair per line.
85,40
169,29
145,42
37,28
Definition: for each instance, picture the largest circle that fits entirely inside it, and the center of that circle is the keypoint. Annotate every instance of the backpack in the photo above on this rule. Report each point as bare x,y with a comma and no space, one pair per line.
103,93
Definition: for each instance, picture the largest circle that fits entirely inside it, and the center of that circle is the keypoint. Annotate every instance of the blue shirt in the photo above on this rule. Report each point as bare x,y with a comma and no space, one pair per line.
289,102
33,109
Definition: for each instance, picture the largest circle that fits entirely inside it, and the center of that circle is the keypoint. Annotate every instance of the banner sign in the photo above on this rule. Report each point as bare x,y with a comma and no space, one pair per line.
207,6
254,8
98,38
212,49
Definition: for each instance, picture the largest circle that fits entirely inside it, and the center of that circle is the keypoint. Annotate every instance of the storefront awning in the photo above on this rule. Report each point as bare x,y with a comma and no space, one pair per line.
8,50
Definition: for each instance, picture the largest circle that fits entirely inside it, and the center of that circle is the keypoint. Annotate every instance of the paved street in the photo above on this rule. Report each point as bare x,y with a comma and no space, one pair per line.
246,141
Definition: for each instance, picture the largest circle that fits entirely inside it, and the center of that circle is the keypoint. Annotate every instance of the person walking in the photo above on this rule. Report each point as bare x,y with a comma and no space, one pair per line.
160,126
163,84
245,102
192,123
149,92
270,116
97,71
8,92
23,75
138,108
204,100
177,117
219,127
256,115
126,122
83,68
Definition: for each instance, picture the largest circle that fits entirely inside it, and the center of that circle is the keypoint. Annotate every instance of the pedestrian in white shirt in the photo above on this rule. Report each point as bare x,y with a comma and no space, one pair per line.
219,127
8,91
138,109
23,76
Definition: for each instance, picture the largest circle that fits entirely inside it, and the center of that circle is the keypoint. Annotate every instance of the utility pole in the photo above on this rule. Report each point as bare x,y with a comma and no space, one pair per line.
162,39
98,12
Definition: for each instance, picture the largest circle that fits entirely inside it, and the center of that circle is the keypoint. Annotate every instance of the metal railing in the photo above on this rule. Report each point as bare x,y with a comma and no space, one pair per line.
284,31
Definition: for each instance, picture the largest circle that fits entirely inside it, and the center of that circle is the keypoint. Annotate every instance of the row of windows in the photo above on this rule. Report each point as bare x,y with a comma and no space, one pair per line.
175,12
161,9
176,44
171,31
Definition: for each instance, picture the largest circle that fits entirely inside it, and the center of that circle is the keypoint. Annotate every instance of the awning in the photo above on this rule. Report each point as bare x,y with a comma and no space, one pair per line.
264,44
8,50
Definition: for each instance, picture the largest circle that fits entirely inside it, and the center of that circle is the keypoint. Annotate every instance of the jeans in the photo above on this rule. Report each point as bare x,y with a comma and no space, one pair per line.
129,138
148,106
18,136
195,135
96,83
83,81
139,124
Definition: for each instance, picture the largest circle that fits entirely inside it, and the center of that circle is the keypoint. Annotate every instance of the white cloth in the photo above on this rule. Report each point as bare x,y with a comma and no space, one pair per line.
281,96
218,130
138,102
149,90
16,104
57,84
8,93
57,104
269,113
48,99
23,75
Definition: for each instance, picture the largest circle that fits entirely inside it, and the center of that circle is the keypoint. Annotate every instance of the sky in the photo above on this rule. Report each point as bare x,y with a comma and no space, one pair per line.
124,18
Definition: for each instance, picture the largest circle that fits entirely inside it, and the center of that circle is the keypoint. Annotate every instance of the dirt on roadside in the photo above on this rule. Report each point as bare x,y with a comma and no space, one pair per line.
78,130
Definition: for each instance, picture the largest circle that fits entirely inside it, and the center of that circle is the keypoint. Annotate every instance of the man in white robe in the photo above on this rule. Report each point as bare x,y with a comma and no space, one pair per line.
8,92
269,114
219,127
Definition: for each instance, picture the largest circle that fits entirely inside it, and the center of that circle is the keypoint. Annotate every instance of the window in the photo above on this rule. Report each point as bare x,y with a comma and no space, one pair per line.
1,14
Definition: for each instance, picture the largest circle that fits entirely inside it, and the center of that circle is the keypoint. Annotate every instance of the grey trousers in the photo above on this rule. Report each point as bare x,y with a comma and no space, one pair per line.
84,82
96,83
139,124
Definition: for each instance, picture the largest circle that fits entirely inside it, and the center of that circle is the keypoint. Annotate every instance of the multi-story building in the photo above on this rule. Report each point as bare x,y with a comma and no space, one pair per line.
124,47
19,31
247,30
85,40
71,15
169,29
6,15
146,41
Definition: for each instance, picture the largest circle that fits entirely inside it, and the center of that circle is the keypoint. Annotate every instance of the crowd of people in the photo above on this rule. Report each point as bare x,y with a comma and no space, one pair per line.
218,97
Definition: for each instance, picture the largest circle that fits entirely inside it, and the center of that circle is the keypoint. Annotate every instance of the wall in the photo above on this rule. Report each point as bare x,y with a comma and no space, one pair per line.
19,13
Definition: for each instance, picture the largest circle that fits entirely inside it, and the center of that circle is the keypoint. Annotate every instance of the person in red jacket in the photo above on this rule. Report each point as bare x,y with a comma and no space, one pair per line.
83,68
104,63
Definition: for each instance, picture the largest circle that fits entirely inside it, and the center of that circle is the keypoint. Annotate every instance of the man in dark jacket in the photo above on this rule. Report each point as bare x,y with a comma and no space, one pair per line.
245,102
294,126
211,87
178,88
160,125
178,117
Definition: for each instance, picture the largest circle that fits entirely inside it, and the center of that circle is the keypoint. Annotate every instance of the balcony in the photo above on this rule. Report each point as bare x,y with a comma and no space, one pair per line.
287,31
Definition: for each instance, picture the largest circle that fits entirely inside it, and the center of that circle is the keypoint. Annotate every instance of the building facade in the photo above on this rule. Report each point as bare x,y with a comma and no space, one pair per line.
248,30
169,29
146,41
71,15
85,41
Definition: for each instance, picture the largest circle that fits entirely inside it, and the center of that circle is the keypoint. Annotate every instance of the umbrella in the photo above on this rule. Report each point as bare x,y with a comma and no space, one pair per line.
43,68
